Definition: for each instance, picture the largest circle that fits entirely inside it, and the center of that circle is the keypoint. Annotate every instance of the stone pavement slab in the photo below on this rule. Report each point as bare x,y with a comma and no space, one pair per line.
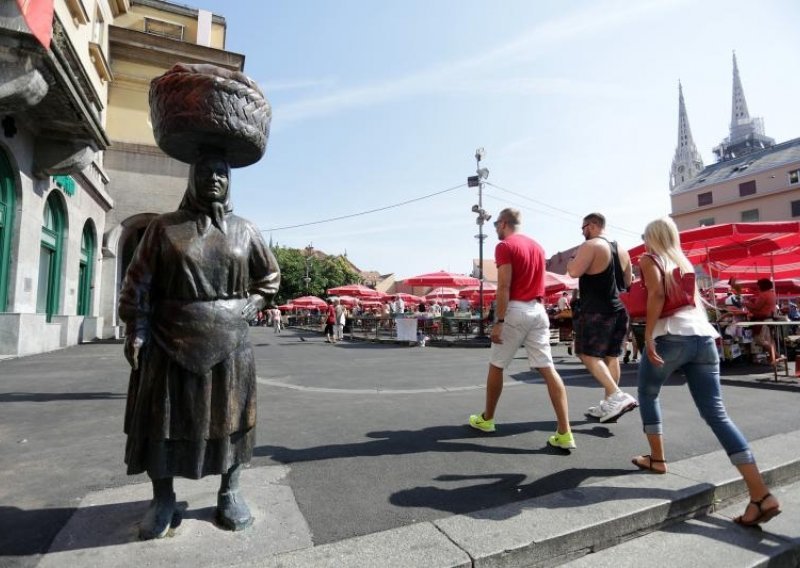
103,530
420,544
713,541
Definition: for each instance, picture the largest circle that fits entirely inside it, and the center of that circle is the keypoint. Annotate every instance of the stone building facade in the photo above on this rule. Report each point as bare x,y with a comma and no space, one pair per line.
53,186
80,173
754,179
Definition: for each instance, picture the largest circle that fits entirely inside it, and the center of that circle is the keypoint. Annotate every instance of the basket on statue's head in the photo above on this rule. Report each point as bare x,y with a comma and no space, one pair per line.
201,109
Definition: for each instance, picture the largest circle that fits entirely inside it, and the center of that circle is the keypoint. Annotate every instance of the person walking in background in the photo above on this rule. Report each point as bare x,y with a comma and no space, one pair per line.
330,321
277,322
685,340
602,323
341,314
521,320
762,307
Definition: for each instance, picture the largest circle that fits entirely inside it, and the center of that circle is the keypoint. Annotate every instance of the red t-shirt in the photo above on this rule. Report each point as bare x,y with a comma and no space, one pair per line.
527,261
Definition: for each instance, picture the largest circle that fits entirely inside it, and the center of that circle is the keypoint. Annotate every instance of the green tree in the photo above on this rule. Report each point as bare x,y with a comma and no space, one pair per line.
324,271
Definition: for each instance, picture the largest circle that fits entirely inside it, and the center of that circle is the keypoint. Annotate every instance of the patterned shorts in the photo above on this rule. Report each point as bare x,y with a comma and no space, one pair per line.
600,335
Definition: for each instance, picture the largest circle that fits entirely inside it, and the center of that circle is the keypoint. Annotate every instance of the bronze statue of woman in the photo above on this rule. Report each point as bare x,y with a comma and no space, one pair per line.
198,276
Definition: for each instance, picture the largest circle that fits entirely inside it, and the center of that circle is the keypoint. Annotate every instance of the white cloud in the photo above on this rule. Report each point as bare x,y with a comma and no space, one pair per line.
450,77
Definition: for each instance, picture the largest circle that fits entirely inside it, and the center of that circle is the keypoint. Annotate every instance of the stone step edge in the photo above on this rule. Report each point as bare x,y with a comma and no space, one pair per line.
558,527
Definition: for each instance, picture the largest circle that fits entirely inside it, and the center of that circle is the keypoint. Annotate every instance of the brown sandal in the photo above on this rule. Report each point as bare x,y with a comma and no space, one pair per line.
649,467
764,515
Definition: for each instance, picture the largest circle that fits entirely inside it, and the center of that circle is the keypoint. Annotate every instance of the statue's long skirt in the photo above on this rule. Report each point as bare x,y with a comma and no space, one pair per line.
181,423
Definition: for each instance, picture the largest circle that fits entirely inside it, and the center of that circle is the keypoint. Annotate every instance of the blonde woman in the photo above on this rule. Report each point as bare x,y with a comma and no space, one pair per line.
686,341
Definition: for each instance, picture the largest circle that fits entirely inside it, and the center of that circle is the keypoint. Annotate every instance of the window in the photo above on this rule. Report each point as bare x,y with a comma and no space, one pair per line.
704,199
98,28
162,28
85,271
794,176
747,188
750,216
706,222
795,208
49,287
6,227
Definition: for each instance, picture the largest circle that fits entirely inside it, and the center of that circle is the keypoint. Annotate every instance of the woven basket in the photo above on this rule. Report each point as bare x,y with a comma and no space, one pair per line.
204,109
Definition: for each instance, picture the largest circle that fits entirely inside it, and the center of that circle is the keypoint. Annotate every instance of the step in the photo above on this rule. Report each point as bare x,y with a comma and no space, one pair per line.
563,526
712,540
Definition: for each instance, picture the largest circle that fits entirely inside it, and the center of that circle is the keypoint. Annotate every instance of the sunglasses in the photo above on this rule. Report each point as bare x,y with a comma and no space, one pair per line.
497,223
584,227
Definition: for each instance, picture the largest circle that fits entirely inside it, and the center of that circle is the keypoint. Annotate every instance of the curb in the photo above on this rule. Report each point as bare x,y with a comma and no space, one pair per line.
556,528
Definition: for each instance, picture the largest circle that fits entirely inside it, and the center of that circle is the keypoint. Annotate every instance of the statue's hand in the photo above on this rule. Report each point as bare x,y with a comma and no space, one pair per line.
254,303
133,345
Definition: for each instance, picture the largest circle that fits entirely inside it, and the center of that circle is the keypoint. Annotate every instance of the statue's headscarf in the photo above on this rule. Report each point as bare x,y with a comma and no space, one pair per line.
208,213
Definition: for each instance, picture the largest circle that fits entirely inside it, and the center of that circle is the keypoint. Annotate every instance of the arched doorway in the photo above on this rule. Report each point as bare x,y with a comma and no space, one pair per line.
85,270
6,226
50,254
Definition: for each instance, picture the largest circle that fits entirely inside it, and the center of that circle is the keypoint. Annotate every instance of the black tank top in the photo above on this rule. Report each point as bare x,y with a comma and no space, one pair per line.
598,292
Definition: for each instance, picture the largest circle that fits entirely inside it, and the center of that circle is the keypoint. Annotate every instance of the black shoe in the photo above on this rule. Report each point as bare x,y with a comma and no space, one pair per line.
158,518
232,511
569,350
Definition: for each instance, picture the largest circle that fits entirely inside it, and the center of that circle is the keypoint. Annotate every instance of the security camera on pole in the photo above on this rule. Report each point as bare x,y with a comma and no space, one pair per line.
477,181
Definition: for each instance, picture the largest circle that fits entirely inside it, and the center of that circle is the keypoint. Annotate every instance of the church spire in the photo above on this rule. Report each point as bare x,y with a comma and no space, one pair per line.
739,112
747,134
687,162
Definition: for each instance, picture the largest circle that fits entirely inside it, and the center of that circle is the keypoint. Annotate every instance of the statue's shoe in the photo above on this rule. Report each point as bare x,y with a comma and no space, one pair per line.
158,518
232,511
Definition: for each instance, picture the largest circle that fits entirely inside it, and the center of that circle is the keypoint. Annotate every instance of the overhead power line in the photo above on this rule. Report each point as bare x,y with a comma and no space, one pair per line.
542,203
348,216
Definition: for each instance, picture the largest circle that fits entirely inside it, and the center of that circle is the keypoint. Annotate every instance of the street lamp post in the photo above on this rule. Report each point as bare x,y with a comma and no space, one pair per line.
477,181
308,259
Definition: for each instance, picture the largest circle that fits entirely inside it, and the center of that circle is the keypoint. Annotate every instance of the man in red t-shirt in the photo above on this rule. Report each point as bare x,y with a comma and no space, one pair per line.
521,320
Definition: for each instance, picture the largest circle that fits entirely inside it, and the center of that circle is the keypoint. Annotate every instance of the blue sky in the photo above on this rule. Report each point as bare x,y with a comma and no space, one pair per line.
378,102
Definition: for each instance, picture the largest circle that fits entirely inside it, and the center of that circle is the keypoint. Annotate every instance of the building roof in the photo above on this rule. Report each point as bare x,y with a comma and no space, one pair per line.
746,166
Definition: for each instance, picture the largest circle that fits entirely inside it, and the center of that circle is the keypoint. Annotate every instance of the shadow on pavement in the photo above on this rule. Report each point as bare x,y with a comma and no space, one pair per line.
502,489
58,396
24,533
402,442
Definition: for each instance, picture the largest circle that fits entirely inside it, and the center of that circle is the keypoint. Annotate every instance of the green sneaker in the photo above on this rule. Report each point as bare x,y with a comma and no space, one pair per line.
563,441
477,422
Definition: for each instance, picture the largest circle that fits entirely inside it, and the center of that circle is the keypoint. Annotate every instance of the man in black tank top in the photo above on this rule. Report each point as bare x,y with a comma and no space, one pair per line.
602,324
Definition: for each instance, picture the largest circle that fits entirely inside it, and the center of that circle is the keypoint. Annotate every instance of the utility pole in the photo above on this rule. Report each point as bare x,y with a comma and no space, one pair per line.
477,181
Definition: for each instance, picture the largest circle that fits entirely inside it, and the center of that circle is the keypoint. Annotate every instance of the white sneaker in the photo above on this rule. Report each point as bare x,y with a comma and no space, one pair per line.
594,411
616,405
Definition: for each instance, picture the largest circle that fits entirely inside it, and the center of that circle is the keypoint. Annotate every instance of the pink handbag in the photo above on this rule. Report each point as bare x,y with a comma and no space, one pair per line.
635,299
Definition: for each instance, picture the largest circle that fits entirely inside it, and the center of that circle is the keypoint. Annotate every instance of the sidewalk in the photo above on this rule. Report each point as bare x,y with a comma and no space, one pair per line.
544,531
382,472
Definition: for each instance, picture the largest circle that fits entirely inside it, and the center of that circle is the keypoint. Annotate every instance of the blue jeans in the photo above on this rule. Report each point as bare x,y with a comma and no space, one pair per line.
697,357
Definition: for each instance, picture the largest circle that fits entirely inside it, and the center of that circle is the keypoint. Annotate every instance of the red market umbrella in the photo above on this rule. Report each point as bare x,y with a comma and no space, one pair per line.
783,287
286,307
780,265
355,290
732,241
309,302
474,297
441,278
488,288
441,293
348,301
558,283
408,298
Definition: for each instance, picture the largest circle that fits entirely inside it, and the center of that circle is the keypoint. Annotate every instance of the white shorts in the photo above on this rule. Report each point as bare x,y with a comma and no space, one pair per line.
526,324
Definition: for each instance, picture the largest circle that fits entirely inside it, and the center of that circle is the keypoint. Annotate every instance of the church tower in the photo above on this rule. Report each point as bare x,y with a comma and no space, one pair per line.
746,134
687,162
